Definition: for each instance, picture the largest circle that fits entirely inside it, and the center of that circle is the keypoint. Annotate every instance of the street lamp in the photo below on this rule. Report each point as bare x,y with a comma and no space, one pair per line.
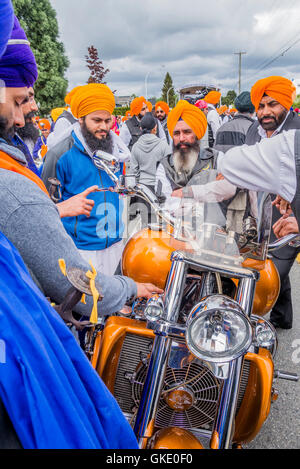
168,94
146,88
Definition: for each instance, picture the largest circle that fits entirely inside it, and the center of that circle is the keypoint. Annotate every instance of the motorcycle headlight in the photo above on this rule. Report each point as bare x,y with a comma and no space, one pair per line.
265,334
154,308
218,330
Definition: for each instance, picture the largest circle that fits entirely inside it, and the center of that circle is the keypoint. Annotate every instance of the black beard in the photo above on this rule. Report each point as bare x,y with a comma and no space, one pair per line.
95,143
275,123
5,132
29,131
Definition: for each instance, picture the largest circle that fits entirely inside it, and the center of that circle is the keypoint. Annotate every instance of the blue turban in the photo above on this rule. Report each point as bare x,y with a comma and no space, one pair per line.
17,65
6,23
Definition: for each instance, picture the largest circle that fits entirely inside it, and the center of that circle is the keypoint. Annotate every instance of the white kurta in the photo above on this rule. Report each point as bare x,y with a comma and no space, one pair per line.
266,166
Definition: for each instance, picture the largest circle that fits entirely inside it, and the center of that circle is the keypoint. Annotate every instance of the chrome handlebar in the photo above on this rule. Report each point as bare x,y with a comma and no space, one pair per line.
291,239
110,165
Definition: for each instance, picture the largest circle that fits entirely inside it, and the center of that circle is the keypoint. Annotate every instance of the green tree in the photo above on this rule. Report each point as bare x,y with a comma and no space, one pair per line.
229,98
39,21
168,92
296,103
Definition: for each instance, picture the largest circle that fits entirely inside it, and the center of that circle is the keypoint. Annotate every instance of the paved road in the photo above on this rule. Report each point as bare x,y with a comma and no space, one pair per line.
282,428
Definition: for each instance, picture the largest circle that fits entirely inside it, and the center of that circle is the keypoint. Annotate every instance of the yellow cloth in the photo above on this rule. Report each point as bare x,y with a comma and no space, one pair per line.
136,105
92,274
191,115
56,112
213,97
163,105
279,88
86,99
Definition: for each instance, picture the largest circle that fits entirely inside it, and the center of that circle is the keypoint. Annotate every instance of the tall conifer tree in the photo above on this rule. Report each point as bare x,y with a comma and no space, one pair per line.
168,92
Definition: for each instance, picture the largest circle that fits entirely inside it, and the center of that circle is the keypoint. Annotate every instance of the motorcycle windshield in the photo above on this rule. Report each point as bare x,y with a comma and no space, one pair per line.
219,224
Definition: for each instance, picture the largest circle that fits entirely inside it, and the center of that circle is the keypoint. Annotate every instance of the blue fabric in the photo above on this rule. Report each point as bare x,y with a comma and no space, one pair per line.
104,227
18,142
6,23
17,65
53,396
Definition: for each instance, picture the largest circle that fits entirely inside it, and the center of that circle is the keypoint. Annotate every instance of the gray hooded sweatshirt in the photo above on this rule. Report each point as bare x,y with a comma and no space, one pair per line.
146,153
30,220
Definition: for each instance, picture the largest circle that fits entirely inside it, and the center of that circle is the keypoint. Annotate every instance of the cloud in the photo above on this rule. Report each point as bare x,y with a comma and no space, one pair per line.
194,40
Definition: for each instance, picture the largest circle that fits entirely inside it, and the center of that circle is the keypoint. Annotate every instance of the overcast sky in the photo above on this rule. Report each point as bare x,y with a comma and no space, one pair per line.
194,40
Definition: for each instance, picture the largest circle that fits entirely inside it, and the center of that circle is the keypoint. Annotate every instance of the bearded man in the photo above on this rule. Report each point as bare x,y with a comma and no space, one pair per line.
131,131
161,113
29,133
190,166
98,236
214,120
28,217
273,98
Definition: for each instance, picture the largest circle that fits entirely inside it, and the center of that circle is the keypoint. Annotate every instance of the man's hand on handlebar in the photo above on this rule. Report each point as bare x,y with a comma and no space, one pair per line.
146,290
285,225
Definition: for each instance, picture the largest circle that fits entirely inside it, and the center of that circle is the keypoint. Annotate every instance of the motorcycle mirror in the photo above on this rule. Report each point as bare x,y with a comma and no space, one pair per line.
104,160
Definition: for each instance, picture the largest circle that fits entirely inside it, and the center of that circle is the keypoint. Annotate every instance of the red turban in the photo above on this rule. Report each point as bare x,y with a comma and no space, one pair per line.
279,88
191,115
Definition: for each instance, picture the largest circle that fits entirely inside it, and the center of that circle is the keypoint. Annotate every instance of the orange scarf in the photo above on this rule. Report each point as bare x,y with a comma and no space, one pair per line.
7,162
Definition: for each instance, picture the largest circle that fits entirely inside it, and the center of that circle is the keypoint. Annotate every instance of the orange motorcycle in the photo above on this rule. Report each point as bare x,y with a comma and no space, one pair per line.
193,368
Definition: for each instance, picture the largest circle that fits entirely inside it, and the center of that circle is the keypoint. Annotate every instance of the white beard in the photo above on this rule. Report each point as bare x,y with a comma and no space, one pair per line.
185,163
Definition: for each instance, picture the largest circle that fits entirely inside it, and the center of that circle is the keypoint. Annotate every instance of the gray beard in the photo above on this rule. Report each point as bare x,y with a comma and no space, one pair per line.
185,162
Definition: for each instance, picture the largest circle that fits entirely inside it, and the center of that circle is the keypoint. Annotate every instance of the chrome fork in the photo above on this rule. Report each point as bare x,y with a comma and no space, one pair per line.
154,381
224,424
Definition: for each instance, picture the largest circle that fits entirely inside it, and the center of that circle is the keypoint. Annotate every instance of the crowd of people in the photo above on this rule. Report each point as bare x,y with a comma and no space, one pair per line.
200,150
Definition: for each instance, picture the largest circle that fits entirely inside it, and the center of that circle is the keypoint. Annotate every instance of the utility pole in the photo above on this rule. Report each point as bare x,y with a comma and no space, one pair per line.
240,67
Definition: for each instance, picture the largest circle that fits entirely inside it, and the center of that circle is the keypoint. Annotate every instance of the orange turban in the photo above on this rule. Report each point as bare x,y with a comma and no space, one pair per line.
149,106
222,109
213,97
279,88
86,99
164,106
44,124
136,105
191,115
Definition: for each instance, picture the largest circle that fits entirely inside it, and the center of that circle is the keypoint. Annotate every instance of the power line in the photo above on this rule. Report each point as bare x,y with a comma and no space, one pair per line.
270,17
274,59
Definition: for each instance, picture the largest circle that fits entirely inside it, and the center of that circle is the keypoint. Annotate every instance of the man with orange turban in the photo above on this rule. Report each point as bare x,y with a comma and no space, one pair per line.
131,130
161,112
272,98
189,165
40,148
214,120
99,235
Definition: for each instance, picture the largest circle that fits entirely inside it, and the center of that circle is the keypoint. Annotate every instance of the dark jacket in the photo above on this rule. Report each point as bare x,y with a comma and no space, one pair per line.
233,133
